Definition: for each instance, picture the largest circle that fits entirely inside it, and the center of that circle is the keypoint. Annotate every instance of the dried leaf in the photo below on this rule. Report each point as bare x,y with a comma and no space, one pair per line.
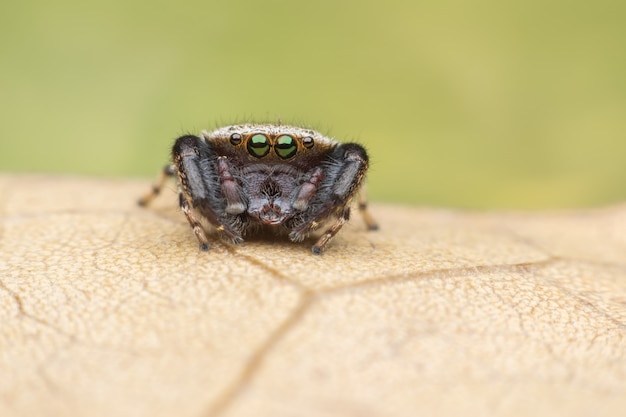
109,309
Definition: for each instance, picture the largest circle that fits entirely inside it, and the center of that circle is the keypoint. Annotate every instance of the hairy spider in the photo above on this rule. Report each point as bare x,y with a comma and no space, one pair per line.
247,176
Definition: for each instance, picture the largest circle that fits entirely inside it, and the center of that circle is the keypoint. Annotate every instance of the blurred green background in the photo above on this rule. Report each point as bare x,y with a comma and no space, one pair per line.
478,104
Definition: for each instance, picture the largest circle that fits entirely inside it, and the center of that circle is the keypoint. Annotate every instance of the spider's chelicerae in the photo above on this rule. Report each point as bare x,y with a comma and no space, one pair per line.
247,176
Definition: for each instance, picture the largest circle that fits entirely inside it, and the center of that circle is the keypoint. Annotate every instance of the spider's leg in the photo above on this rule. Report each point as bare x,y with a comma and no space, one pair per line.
198,178
343,177
365,214
193,222
323,241
167,172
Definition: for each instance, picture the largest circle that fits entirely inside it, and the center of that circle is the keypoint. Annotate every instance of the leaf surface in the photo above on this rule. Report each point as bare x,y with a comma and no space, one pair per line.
111,309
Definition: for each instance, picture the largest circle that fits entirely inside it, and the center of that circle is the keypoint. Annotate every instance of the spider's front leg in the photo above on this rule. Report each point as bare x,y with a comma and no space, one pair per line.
329,191
205,180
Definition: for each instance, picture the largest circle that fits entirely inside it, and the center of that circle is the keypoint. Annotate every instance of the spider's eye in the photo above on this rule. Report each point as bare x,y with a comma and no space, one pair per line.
307,141
285,146
235,139
258,145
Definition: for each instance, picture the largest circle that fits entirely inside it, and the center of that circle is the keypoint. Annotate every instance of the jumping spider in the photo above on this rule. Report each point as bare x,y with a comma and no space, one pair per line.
248,176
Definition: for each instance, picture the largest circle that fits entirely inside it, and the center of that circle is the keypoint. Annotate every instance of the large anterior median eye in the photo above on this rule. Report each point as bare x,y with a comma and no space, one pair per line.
258,145
285,146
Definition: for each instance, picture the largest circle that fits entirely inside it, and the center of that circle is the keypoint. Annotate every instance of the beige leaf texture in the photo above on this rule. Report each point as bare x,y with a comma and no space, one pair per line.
108,309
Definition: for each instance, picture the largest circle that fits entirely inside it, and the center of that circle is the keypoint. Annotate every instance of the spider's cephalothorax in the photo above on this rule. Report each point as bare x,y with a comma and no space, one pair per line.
242,176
